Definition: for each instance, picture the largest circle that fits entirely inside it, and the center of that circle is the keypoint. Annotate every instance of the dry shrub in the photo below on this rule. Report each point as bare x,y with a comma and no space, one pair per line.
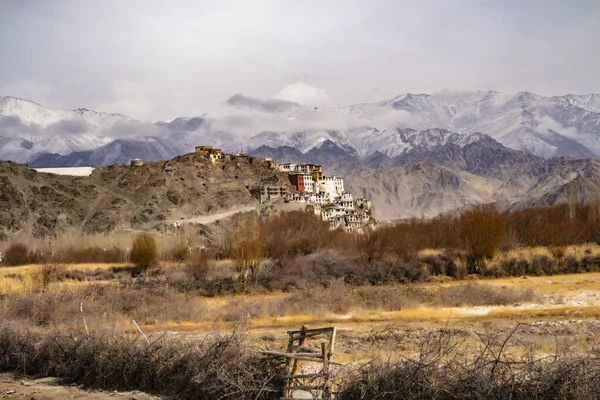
482,231
341,298
245,245
476,294
295,233
103,305
217,366
47,274
201,266
178,253
323,268
558,252
16,254
445,368
143,251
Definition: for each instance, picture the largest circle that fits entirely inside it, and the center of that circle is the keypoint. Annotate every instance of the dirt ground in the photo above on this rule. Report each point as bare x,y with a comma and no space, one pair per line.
48,389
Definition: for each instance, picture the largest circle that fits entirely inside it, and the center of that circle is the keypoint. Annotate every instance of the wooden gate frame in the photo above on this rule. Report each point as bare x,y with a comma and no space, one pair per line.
297,352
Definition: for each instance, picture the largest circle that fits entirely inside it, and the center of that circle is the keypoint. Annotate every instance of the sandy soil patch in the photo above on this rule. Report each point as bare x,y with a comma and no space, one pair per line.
47,389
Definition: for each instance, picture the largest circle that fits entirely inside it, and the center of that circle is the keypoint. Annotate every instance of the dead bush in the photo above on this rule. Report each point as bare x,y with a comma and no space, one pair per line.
47,274
200,266
341,298
178,253
558,252
482,231
477,294
143,251
443,369
216,367
245,245
16,254
295,233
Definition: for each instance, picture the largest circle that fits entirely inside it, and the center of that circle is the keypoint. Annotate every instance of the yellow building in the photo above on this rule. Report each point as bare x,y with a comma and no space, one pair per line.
317,174
213,153
204,150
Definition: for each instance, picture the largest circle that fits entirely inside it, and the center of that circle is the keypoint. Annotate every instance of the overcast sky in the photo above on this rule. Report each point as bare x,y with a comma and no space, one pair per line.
152,60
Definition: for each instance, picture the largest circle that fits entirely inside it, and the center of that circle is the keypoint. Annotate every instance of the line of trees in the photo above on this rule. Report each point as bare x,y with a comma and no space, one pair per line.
478,234
481,232
281,237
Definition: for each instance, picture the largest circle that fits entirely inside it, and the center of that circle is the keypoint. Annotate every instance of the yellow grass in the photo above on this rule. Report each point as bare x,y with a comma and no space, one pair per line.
120,238
556,284
527,253
19,280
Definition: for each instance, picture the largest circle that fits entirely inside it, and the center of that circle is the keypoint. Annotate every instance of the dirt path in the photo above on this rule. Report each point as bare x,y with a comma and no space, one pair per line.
46,389
209,219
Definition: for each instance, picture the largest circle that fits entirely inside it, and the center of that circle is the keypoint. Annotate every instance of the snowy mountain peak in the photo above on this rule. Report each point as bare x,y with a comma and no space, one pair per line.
10,102
589,102
545,126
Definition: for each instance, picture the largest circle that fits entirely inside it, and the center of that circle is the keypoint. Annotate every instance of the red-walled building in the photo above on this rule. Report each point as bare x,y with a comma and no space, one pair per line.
303,182
297,180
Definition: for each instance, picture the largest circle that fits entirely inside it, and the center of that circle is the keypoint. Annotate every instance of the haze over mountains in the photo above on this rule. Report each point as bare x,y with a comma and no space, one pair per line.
414,155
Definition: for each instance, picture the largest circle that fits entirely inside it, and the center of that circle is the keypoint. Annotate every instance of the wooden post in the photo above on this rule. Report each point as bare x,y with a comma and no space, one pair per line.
288,363
325,353
301,343
332,342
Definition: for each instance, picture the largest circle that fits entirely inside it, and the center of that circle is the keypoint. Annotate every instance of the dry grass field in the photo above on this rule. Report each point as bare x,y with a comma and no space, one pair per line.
382,323
357,311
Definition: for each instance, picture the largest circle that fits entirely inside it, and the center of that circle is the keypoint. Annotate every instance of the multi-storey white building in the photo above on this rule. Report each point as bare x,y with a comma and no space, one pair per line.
300,168
347,205
317,198
327,187
289,167
346,197
331,212
310,185
339,185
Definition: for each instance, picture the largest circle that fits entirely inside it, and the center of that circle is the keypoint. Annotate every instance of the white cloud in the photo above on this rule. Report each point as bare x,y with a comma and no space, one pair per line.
131,99
252,120
145,101
188,58
546,124
303,93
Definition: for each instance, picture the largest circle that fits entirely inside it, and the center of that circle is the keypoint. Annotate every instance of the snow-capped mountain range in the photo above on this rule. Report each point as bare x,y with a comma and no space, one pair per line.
544,126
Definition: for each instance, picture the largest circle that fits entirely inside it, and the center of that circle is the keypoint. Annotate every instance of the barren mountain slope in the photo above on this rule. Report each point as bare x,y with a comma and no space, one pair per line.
449,177
120,196
421,189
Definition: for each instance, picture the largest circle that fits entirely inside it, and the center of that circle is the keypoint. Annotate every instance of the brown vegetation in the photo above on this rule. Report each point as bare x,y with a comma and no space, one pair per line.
472,243
446,366
16,254
503,368
478,234
215,367
47,274
143,251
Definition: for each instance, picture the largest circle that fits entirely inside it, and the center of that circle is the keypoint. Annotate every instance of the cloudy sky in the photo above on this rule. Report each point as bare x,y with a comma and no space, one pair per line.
152,59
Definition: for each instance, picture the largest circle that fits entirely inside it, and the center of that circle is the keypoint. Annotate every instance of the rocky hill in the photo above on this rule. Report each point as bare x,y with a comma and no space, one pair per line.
120,196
